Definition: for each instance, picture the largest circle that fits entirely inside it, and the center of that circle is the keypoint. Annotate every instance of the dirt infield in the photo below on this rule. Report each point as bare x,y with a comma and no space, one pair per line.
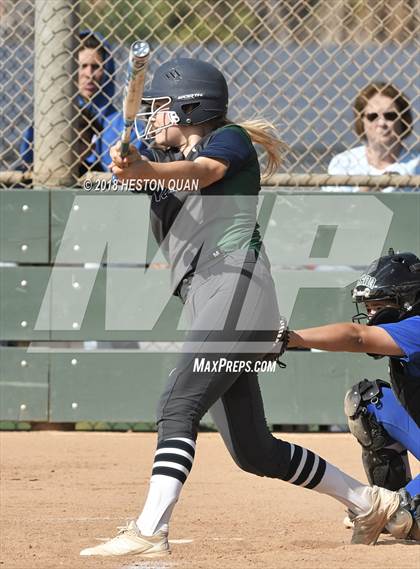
60,491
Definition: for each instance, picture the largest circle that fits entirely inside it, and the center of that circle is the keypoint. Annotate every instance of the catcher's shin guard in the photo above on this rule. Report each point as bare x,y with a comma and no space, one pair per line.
385,467
384,462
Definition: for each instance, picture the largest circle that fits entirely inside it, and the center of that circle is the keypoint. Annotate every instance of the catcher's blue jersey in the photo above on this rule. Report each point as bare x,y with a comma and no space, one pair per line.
407,335
391,414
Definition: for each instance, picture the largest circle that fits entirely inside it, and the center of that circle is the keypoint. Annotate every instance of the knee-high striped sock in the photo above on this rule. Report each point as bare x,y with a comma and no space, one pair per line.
172,464
306,468
309,470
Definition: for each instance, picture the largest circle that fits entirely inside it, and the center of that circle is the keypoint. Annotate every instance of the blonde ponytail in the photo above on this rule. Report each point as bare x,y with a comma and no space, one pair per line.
261,132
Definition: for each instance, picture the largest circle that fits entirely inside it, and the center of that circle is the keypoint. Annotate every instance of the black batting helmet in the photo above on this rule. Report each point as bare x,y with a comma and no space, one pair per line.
394,277
197,91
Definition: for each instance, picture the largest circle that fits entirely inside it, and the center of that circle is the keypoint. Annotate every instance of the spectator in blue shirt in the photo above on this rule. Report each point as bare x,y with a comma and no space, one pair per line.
98,123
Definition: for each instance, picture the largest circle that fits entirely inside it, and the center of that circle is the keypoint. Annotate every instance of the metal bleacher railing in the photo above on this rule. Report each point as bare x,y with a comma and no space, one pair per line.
297,63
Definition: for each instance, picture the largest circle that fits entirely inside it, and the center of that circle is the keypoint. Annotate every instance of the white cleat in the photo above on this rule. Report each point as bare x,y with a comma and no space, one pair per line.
368,527
130,541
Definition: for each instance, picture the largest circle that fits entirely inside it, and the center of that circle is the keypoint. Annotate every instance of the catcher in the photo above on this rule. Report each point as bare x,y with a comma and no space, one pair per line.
384,420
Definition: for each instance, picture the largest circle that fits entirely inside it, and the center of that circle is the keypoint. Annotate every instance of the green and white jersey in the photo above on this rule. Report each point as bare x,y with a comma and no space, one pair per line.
195,227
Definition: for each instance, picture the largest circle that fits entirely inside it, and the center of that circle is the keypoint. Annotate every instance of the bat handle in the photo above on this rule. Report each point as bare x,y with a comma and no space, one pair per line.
125,147
125,138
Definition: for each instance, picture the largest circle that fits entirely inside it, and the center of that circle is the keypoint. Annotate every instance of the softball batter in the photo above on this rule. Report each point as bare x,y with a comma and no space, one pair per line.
221,273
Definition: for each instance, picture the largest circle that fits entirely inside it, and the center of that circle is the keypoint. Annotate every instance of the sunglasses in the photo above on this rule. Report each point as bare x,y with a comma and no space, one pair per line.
389,116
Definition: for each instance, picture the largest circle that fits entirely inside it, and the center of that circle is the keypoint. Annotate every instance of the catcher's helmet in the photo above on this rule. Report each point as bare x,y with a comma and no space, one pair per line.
194,92
395,278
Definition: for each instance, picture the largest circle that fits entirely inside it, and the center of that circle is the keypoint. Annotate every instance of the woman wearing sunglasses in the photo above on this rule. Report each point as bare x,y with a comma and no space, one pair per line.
383,122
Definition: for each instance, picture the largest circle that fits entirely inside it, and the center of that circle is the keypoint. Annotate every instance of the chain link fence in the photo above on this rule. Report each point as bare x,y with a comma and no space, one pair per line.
297,63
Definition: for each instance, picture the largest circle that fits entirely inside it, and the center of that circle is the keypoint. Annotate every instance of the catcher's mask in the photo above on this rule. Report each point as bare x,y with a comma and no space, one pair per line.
394,279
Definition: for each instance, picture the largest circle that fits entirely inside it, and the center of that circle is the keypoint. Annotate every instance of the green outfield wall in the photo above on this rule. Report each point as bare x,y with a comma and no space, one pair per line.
64,284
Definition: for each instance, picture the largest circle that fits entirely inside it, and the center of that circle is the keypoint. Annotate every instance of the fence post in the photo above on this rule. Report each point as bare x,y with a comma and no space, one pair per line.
56,33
